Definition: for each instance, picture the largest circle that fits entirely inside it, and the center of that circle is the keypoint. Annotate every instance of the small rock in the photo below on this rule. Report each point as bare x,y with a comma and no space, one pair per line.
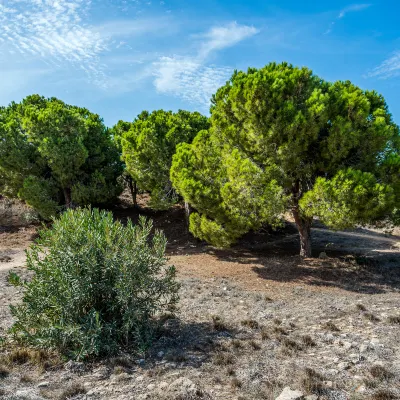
375,343
329,338
74,366
323,255
162,386
160,354
344,365
311,397
28,394
361,389
364,348
151,387
141,361
289,394
43,384
347,345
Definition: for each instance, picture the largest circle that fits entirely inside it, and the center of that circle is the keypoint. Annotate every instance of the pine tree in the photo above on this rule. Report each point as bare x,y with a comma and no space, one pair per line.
283,140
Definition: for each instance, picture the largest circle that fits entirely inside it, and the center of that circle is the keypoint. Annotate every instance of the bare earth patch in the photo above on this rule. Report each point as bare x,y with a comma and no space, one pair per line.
252,320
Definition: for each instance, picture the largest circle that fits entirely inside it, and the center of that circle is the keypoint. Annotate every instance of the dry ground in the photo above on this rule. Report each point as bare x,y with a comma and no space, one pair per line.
252,320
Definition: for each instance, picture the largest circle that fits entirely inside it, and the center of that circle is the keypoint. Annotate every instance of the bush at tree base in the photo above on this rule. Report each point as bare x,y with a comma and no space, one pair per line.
97,286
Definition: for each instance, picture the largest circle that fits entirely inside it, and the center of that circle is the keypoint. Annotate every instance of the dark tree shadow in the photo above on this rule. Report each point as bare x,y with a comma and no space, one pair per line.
359,260
188,344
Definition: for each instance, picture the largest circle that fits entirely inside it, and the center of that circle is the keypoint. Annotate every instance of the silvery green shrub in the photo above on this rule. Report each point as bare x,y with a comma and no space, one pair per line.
97,287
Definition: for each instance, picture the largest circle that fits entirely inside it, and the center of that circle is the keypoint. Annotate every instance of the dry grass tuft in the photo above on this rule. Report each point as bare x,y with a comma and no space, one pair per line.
361,307
290,344
331,326
39,358
236,383
255,345
268,299
73,390
277,321
383,394
394,319
380,372
279,330
223,358
312,381
230,371
265,334
124,362
308,341
4,371
26,379
237,344
371,317
251,323
176,356
218,324
118,370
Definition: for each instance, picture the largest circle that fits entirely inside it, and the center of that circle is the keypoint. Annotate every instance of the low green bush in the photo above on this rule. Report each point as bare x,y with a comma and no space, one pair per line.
97,287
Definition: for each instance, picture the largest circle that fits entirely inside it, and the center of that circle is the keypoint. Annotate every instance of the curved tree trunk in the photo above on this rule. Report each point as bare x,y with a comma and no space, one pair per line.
67,198
303,224
188,211
133,189
304,228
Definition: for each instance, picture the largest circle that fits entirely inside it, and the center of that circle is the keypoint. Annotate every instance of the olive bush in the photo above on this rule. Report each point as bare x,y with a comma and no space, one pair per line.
97,287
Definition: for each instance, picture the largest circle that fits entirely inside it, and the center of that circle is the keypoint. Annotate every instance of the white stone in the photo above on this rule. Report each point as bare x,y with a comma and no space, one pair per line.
311,397
28,394
347,345
184,385
43,384
289,394
364,348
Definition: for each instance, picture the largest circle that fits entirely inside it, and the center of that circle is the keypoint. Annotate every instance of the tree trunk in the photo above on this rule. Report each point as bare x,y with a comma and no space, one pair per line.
133,189
303,224
304,228
188,211
67,198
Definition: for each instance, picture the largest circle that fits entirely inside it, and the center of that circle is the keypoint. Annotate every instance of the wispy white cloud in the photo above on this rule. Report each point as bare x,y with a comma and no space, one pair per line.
221,37
345,11
136,27
52,30
389,68
190,77
353,8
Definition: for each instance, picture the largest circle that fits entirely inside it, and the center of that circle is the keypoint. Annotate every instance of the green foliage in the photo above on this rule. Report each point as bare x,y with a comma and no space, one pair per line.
216,183
282,139
148,146
97,286
350,197
52,153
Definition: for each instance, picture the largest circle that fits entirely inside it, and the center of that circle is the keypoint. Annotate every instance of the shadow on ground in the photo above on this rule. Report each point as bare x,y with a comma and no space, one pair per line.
359,260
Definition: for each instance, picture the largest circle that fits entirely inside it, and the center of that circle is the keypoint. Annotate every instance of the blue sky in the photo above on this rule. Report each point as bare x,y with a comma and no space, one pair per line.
119,57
